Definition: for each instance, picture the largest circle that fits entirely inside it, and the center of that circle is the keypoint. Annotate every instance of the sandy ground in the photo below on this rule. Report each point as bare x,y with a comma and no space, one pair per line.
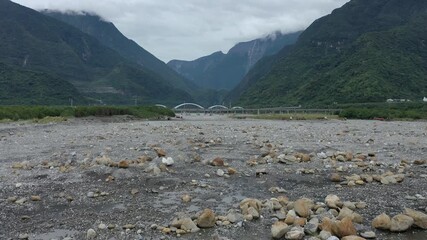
57,162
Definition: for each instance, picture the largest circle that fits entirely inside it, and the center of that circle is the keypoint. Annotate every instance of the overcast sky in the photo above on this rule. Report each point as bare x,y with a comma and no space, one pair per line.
189,29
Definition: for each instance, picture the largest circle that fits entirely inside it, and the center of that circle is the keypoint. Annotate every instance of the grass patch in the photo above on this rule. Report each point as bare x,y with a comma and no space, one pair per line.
50,113
412,111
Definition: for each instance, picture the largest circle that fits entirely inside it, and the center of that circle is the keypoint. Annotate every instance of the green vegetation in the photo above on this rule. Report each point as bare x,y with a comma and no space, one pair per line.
391,111
110,36
20,86
41,112
46,53
366,51
296,116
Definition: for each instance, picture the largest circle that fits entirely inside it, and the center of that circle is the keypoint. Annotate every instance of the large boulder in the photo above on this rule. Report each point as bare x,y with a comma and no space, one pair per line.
332,201
344,228
401,223
420,218
303,207
382,222
206,219
279,229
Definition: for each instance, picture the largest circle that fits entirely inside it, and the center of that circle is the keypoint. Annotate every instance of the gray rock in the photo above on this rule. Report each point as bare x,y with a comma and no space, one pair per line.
23,236
324,235
280,215
188,225
296,233
234,217
312,226
322,155
156,171
123,173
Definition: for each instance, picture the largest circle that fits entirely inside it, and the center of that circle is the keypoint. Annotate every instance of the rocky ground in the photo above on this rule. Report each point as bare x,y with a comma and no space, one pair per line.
212,177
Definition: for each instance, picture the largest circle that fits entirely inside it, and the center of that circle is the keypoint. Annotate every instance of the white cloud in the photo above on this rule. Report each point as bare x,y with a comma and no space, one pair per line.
188,29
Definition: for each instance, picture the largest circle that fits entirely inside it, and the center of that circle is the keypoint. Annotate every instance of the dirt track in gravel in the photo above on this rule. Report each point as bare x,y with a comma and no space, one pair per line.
66,210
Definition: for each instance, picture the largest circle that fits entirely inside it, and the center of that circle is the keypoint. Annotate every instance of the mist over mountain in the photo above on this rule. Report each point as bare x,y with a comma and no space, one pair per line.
34,42
224,71
365,51
107,33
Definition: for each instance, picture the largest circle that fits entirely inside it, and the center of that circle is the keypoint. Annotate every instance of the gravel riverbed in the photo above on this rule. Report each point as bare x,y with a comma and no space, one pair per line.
123,178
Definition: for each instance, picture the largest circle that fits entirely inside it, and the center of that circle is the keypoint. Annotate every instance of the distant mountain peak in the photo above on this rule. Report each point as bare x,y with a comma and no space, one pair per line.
76,13
108,34
60,59
224,71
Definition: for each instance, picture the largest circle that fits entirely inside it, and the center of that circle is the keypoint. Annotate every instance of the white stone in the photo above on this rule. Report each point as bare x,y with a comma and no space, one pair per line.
368,235
220,172
333,238
322,155
90,234
102,226
168,161
295,233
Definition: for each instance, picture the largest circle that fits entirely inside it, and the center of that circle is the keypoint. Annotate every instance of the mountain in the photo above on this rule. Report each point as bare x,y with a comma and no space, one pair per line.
365,51
32,41
224,71
106,33
21,86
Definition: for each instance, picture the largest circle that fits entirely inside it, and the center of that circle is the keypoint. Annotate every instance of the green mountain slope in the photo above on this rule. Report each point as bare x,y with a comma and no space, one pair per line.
366,51
106,33
224,71
32,41
18,86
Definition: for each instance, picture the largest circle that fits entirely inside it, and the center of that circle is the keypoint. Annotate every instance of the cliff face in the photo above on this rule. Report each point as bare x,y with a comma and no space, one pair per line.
225,71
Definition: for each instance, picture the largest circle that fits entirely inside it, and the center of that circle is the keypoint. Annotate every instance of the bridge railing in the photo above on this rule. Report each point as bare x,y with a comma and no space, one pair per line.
259,111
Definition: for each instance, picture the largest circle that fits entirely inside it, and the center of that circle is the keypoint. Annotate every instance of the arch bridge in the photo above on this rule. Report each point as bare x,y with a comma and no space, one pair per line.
188,104
190,107
217,107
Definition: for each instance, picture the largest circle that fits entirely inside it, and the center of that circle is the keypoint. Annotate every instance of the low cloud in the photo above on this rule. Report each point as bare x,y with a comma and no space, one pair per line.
174,29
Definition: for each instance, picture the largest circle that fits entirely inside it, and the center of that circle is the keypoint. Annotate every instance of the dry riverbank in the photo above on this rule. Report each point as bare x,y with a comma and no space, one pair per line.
60,180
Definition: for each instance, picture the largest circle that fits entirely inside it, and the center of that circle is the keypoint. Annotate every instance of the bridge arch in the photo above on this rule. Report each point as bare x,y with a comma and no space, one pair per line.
160,105
237,108
218,106
188,104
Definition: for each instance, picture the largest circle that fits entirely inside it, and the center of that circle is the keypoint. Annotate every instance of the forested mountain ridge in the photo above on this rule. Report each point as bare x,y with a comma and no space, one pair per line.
32,41
365,51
